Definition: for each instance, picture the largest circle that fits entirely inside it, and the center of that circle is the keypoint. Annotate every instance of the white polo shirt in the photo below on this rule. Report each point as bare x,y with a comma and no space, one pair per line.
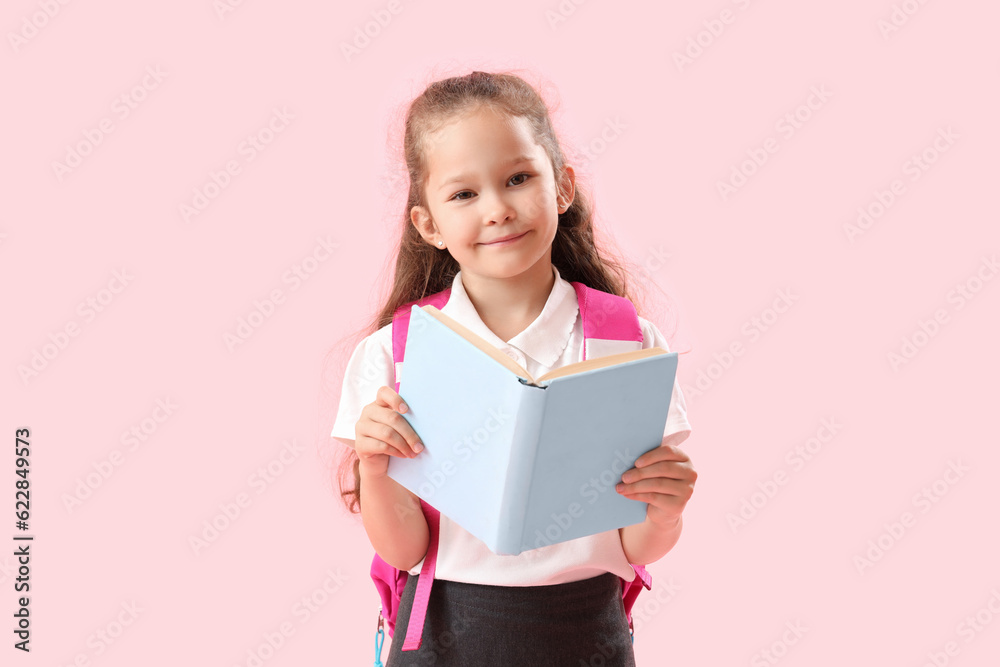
553,340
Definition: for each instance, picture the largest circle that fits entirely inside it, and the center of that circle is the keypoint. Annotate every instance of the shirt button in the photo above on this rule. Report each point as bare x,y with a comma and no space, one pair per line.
513,354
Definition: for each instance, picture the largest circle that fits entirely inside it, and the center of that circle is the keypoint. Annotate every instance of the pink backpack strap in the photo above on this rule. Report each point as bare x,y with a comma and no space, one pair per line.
631,589
401,324
418,610
422,596
606,316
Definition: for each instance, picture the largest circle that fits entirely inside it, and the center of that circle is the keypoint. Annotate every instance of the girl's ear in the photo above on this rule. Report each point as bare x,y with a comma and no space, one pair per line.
566,188
421,219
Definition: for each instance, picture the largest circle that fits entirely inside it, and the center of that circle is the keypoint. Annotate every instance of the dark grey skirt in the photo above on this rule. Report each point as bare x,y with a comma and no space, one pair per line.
579,623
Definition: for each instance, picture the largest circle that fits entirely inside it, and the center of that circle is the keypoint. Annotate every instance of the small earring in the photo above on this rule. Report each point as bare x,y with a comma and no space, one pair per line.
440,242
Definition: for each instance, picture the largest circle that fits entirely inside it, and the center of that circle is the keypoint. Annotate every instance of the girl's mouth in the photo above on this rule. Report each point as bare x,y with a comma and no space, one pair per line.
513,239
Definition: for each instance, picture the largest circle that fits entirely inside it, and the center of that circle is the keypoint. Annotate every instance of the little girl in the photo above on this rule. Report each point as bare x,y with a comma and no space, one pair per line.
493,214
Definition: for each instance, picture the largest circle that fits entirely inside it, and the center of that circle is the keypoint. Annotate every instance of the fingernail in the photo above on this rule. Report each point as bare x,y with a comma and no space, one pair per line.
418,448
402,407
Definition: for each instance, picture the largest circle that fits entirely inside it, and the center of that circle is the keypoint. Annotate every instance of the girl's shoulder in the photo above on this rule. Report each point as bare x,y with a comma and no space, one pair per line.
369,367
374,344
381,336
651,335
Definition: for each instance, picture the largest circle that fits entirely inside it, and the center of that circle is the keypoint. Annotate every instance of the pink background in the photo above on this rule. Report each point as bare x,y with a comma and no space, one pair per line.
328,174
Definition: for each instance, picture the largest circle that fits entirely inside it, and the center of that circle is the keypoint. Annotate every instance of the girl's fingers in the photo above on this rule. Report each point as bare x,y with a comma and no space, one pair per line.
392,417
669,469
662,485
397,431
663,452
373,446
377,438
388,398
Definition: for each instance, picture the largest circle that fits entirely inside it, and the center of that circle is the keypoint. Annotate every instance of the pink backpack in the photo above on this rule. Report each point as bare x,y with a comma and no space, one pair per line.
606,317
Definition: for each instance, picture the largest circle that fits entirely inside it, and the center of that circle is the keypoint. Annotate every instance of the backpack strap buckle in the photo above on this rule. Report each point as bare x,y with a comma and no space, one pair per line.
379,638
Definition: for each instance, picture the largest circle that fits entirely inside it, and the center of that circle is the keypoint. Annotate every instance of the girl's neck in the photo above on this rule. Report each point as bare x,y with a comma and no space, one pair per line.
508,305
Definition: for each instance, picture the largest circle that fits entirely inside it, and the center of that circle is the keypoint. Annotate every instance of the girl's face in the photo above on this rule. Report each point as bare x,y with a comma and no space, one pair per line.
487,180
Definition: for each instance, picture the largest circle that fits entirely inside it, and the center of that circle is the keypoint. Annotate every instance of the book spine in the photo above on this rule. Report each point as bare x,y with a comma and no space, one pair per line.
524,448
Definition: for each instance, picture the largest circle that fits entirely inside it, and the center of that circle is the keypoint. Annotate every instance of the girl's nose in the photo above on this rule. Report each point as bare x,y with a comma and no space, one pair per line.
498,208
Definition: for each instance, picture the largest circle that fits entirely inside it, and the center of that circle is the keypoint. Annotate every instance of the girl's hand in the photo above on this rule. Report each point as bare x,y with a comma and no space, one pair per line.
382,432
664,478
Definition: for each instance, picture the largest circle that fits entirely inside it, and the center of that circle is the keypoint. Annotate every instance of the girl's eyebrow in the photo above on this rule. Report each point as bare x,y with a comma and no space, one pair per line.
509,163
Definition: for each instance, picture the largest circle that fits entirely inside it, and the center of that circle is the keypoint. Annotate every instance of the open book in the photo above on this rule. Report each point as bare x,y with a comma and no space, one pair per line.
524,462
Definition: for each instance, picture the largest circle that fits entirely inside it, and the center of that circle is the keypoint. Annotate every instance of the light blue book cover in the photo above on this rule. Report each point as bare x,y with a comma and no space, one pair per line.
523,463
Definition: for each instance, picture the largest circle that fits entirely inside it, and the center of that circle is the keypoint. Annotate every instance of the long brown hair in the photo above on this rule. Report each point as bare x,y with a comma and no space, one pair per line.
422,270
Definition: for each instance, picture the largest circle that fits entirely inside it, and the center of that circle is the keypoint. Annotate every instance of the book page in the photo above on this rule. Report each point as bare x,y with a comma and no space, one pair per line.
601,362
481,343
520,371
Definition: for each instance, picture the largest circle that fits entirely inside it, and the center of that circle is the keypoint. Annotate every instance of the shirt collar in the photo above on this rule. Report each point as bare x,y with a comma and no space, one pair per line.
544,339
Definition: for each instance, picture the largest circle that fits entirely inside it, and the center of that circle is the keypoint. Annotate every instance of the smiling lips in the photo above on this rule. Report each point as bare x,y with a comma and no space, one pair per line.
505,240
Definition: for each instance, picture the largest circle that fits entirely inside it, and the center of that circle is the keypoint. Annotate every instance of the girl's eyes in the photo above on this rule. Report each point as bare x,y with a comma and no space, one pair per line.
456,195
